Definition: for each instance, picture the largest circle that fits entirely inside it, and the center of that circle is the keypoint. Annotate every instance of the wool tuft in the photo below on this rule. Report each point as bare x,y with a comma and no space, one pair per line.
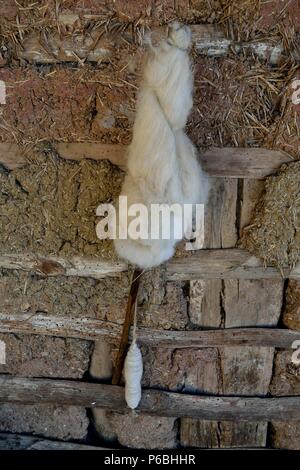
162,161
133,372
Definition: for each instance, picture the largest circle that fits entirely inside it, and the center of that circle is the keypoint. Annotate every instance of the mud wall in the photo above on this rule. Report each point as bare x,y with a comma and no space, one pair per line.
48,207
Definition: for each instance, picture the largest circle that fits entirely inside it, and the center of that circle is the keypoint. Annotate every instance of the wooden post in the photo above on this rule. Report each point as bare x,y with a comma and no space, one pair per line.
117,374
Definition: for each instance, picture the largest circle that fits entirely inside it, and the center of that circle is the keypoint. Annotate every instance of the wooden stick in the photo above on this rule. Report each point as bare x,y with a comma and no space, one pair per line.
154,402
229,162
117,374
224,264
57,265
229,263
209,41
10,441
93,330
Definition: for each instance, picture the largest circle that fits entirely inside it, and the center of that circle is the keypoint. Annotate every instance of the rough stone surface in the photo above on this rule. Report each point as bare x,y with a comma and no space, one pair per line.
286,376
246,370
171,313
232,302
252,302
291,314
230,371
161,305
205,303
45,356
104,299
49,205
285,435
149,432
224,434
98,103
58,422
273,232
186,370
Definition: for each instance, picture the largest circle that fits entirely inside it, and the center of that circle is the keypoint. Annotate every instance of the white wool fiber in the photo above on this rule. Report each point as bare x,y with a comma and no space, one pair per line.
162,161
133,372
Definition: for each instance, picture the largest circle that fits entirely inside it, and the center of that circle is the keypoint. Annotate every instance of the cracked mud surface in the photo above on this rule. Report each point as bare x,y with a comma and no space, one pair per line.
274,234
49,206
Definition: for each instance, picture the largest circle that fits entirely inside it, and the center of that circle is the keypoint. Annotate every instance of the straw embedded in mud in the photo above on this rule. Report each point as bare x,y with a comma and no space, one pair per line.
274,233
49,206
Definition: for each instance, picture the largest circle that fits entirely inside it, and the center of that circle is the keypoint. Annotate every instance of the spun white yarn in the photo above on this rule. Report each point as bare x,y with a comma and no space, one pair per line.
162,162
133,371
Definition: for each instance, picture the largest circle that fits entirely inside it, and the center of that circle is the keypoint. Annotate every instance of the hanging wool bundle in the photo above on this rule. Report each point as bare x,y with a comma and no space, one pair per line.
162,166
162,162
133,372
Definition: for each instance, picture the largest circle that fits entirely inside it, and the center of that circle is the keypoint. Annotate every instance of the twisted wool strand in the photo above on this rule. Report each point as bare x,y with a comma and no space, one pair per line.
162,162
133,370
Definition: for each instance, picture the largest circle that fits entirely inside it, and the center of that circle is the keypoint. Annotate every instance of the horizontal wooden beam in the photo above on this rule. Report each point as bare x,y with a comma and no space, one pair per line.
224,264
235,162
65,327
53,48
10,441
56,265
202,264
229,162
115,153
91,329
154,402
208,40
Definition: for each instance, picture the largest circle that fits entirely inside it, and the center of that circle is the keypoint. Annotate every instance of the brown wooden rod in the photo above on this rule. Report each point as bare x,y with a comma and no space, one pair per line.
93,330
227,162
232,263
154,402
10,441
117,373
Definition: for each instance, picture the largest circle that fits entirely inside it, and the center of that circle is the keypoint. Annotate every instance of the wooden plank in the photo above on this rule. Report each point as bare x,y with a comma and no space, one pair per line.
203,264
101,368
224,264
234,303
243,371
252,302
94,330
265,337
220,214
246,371
205,305
234,162
213,43
251,192
246,302
23,442
55,265
208,39
220,232
222,434
115,153
230,162
154,402
65,327
52,48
